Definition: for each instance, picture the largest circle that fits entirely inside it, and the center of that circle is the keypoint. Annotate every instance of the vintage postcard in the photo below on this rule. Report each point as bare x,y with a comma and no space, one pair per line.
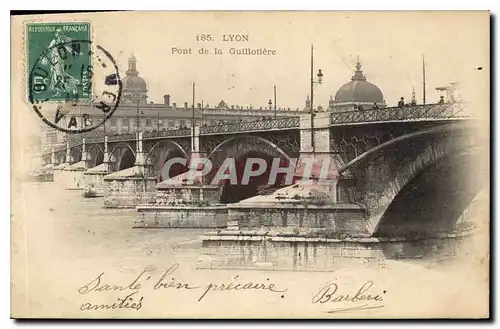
315,165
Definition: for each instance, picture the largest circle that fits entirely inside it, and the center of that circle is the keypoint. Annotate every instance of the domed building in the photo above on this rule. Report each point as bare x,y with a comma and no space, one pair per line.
136,113
357,92
134,88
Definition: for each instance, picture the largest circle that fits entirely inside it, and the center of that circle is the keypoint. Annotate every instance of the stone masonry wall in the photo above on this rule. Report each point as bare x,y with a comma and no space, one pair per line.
70,179
155,216
128,193
187,195
349,221
289,253
95,182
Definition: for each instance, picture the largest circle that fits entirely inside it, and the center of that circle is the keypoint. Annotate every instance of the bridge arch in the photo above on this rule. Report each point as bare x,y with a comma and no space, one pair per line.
160,153
418,183
432,201
96,154
241,148
373,152
75,154
46,158
61,157
122,156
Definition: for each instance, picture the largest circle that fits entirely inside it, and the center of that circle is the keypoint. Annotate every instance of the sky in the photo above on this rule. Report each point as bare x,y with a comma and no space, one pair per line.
390,46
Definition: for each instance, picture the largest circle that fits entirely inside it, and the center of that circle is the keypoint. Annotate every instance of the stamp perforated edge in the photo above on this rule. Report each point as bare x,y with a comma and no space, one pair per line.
24,41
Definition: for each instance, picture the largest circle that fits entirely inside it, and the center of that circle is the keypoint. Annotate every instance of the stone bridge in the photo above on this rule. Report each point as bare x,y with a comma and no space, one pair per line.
394,160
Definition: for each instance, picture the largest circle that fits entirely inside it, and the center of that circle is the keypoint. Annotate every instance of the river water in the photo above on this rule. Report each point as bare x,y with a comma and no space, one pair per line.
62,241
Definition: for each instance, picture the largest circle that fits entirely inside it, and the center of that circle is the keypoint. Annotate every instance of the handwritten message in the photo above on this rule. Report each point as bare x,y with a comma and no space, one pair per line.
132,297
364,297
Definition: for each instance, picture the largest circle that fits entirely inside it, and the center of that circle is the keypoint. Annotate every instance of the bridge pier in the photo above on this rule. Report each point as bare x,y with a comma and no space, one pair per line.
85,155
140,156
75,179
132,186
69,175
46,172
298,227
53,157
94,177
107,158
316,162
59,173
68,153
185,200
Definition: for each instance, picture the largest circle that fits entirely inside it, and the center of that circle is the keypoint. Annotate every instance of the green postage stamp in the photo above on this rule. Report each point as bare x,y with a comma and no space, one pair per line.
59,61
67,74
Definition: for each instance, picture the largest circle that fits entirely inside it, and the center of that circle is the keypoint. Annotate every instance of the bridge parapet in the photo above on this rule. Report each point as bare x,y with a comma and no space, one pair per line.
98,137
405,113
122,137
94,138
58,149
247,126
391,114
75,141
181,132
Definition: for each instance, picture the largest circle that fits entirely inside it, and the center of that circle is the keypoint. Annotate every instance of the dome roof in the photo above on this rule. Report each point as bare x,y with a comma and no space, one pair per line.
132,79
359,90
134,82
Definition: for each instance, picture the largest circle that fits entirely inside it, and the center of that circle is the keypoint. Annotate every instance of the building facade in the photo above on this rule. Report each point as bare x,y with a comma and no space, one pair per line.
135,113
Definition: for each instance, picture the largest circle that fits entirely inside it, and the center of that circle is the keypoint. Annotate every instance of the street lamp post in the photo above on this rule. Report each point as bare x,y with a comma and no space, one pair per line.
158,124
274,102
137,97
192,120
202,118
313,83
104,123
138,118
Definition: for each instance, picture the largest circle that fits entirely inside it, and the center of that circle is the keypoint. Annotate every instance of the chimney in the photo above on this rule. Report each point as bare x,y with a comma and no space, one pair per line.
166,100
199,105
186,105
174,105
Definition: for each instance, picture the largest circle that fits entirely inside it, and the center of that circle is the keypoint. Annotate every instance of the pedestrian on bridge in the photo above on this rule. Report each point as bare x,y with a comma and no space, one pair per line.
401,102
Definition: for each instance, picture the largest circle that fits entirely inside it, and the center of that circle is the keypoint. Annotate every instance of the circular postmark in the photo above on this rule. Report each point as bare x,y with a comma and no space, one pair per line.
74,86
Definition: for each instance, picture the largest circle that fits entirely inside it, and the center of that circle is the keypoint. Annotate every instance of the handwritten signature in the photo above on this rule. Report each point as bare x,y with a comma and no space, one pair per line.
362,299
166,281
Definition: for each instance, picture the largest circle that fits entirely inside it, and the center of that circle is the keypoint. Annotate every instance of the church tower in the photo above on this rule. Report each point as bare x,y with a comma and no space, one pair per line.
134,89
308,103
